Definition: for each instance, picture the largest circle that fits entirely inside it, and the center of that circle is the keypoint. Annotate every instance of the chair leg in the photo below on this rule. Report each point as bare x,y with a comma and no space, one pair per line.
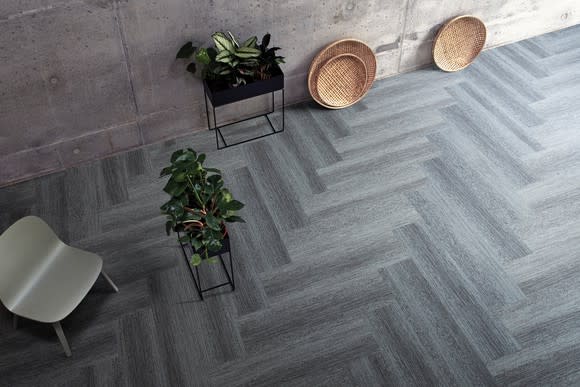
115,288
62,338
15,321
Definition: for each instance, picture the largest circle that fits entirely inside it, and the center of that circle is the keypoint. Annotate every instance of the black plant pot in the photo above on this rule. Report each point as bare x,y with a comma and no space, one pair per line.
188,251
221,94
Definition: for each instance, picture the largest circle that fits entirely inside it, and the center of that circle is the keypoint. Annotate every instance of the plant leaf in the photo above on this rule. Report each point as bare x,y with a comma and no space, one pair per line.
251,42
214,179
250,62
223,43
246,71
202,56
235,219
233,205
213,222
174,188
220,68
196,244
214,245
192,68
186,51
165,171
185,156
176,154
195,259
224,57
239,82
233,39
247,52
211,52
180,177
265,41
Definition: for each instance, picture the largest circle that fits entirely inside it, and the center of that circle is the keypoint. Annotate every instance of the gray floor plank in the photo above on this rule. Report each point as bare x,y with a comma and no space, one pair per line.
457,363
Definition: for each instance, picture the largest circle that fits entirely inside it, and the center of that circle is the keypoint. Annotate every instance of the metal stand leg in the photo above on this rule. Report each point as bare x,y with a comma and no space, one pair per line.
197,286
15,321
232,270
115,288
206,109
217,141
214,117
230,279
217,130
231,266
273,102
58,329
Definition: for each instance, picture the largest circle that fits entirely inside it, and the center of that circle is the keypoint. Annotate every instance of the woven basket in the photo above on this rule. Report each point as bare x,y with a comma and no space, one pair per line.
458,43
342,80
345,46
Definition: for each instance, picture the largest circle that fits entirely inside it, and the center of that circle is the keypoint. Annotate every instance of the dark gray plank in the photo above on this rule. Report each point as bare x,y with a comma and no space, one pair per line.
443,342
407,358
140,349
371,371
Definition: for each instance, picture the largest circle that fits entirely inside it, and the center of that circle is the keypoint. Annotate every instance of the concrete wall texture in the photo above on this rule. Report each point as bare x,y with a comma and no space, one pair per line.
81,79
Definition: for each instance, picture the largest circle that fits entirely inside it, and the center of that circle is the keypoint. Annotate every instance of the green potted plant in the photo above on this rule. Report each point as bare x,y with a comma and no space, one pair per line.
200,206
232,71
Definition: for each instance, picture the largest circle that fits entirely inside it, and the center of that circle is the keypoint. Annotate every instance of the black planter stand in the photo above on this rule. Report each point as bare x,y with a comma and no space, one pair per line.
220,96
188,251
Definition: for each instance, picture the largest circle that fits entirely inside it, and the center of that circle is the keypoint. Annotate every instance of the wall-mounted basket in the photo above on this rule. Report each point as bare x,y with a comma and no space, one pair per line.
358,66
458,43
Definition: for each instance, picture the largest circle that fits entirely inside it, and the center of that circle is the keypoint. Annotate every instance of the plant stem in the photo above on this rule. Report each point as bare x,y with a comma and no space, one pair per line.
195,193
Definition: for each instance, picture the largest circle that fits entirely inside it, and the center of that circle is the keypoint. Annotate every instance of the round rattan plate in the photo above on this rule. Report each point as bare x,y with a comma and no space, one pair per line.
342,80
345,46
458,43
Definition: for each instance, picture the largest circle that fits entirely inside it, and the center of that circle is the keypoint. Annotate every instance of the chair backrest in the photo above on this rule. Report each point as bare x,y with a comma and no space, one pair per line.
24,247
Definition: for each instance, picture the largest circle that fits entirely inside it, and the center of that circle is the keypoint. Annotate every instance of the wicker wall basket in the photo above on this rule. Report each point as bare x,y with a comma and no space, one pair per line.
359,52
458,43
342,80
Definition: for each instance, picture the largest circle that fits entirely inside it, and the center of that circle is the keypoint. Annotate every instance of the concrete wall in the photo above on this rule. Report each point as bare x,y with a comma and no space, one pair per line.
80,79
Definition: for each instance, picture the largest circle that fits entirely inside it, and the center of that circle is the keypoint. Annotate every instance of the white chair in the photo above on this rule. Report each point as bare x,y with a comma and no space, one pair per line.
42,278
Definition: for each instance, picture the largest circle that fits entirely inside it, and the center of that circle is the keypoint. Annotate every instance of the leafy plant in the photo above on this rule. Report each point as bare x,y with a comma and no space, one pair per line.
227,60
231,62
268,59
199,206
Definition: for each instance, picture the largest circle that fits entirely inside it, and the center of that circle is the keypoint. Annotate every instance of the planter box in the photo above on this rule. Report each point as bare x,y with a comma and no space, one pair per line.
220,95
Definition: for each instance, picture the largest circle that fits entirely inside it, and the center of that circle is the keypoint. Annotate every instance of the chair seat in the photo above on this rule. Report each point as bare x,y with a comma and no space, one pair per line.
59,285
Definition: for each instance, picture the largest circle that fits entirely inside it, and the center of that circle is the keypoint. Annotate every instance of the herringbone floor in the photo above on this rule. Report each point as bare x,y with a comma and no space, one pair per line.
429,235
